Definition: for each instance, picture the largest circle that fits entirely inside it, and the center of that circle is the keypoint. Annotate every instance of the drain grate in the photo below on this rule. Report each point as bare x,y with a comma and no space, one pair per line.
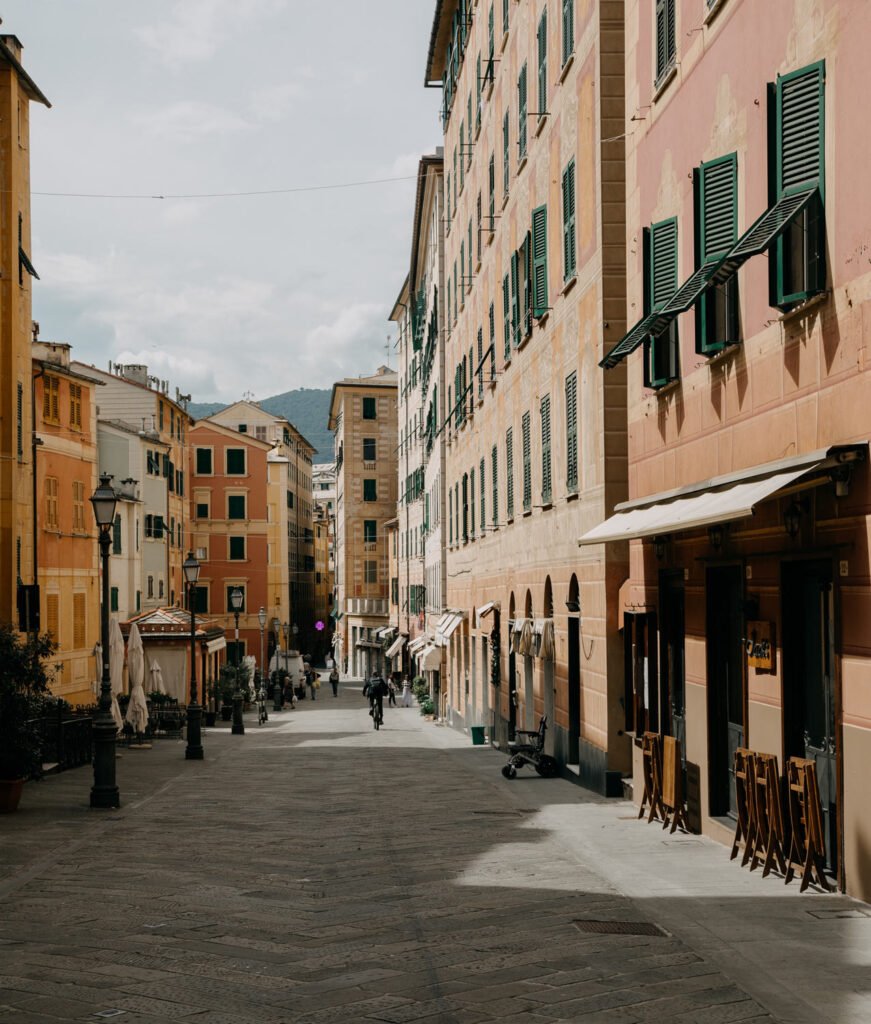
621,928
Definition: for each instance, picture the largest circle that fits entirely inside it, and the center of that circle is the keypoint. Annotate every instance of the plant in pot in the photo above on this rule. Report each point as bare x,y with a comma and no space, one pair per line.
225,687
24,682
209,712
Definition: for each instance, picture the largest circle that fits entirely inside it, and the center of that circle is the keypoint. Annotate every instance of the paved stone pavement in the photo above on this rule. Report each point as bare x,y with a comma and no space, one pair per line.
314,871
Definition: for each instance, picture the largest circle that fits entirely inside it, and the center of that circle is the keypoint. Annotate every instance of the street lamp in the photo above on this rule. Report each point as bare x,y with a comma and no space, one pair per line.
194,749
236,599
104,792
261,690
276,690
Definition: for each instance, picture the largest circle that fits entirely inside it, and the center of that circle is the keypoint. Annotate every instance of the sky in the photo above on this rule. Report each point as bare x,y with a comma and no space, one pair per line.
225,296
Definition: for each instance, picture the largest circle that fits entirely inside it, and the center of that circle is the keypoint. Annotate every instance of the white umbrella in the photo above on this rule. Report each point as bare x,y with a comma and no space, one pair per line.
157,683
116,669
137,709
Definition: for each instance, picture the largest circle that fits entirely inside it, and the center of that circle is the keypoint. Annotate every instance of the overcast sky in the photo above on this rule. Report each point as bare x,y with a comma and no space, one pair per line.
223,296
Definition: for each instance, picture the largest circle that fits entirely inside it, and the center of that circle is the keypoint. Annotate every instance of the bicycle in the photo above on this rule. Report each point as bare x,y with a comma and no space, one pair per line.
377,713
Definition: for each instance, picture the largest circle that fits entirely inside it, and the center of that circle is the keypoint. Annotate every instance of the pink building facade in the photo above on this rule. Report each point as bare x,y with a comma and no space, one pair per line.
749,305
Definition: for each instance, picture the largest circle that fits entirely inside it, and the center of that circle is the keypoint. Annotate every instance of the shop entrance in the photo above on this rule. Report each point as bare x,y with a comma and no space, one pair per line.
574,666
725,622
671,656
809,682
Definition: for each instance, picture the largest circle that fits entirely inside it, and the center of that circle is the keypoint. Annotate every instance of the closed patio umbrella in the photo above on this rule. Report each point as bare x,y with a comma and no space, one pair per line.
157,683
137,709
116,669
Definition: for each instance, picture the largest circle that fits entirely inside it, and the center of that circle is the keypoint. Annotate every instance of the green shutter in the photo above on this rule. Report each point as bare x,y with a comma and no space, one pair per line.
539,261
521,113
569,243
800,137
663,277
572,432
462,155
204,461
116,536
506,153
568,29
492,194
509,473
481,498
505,4
542,62
494,483
515,301
665,37
546,486
719,207
526,299
506,317
527,462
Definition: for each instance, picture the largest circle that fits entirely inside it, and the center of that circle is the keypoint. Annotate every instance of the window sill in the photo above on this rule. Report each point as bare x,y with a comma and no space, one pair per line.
542,320
477,267
715,358
714,10
492,383
546,504
807,306
526,513
522,164
566,67
506,362
539,127
567,287
667,389
572,495
488,89
520,344
666,80
509,521
491,234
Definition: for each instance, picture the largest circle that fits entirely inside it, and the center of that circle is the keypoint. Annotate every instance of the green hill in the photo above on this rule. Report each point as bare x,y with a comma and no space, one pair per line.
308,409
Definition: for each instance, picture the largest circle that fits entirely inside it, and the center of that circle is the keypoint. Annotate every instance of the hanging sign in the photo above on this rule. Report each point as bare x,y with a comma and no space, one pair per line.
759,646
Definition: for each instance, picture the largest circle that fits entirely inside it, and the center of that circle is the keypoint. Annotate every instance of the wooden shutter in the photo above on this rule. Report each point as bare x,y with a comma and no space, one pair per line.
506,152
800,115
515,300
492,196
52,616
665,37
542,62
509,472
572,432
568,29
719,207
526,269
663,279
506,316
494,483
521,113
79,621
569,243
527,462
481,484
539,261
546,485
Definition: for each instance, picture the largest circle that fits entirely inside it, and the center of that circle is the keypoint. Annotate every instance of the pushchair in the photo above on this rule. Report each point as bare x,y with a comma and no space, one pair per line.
528,748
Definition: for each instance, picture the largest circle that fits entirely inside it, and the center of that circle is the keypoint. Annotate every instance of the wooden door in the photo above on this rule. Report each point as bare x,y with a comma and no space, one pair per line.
726,731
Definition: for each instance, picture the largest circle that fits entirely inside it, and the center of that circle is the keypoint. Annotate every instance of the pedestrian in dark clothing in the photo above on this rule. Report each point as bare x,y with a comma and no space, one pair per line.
334,680
391,693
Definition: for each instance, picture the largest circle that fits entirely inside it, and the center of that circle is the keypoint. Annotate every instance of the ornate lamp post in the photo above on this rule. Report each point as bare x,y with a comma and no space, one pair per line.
236,599
261,690
276,692
194,749
104,792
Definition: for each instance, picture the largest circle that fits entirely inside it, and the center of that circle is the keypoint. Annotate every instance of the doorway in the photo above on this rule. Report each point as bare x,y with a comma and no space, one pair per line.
671,657
574,667
726,730
809,712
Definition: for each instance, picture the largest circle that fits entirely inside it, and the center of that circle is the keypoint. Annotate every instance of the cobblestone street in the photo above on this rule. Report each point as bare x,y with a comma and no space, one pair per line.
316,871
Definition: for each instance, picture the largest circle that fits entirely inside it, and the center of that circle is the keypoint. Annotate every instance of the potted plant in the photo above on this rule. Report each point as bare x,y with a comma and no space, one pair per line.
225,687
23,688
209,698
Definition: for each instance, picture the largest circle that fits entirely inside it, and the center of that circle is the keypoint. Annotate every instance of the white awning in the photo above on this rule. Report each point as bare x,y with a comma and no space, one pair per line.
485,610
384,632
395,647
447,624
216,645
430,657
718,500
419,642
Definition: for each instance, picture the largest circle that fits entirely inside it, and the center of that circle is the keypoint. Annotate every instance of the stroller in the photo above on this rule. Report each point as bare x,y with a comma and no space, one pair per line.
528,748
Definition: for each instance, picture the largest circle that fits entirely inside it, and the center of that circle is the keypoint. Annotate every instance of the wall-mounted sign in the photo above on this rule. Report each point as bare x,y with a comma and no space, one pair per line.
759,646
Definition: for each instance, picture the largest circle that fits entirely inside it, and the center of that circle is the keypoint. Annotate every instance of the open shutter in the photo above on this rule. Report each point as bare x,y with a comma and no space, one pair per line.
521,113
509,473
494,483
719,207
542,62
515,299
506,317
572,432
569,251
539,261
800,112
526,299
546,487
527,462
568,29
506,153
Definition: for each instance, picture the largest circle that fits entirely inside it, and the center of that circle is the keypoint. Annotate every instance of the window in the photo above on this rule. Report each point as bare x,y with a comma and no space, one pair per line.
568,29
491,193
243,428
290,499
494,484
160,414
716,193
505,6
204,461
509,473
506,317
202,510
113,599
260,433
116,536
661,352
527,462
665,38
201,600
472,503
160,588
51,399
369,409
539,261
368,449
569,252
150,589
480,368
521,114
236,586
492,348
51,510
465,507
236,506
76,406
506,155
371,570
370,531
462,156
483,523
236,462
572,433
542,63
80,621
451,515
138,600
546,487
799,269
78,506
370,490
237,549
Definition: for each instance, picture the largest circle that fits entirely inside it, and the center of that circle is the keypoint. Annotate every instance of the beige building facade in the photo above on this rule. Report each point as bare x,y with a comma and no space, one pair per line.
363,417
535,437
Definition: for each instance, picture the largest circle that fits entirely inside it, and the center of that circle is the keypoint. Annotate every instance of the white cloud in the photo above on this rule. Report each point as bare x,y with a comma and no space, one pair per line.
190,121
272,102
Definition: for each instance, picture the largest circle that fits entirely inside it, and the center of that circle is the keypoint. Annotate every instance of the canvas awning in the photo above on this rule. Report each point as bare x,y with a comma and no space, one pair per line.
430,657
418,643
385,632
395,647
718,500
485,610
218,644
447,624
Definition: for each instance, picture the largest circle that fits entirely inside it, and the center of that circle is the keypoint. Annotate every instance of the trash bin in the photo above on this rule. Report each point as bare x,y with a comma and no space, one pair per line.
477,732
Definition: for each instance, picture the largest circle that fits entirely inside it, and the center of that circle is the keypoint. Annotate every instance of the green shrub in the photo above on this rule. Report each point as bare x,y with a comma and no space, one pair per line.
427,707
420,688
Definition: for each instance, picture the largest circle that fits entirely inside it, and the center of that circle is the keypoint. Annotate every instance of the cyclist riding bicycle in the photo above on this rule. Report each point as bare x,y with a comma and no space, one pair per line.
376,692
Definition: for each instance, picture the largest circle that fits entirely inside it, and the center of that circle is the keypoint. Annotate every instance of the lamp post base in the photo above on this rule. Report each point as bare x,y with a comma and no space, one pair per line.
238,722
104,792
194,749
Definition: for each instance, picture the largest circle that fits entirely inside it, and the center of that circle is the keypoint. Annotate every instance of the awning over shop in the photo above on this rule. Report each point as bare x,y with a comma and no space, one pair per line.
418,643
431,657
447,624
218,644
522,638
485,610
395,647
718,500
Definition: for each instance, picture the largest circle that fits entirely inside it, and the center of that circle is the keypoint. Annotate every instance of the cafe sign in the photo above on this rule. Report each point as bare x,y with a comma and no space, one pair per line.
759,646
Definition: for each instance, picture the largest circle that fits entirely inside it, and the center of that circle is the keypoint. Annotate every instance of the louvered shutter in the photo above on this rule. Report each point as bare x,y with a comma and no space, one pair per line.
539,261
494,483
472,502
568,29
545,450
542,62
509,472
521,113
719,207
483,513
515,300
569,221
480,362
800,112
665,37
663,278
527,462
506,316
491,199
526,266
572,432
506,152
505,4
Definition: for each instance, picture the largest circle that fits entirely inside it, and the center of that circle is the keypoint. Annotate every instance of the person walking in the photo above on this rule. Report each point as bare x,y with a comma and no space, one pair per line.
312,680
391,692
334,680
407,697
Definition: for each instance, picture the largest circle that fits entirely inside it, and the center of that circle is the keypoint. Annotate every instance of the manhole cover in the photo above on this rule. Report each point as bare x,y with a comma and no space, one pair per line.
621,928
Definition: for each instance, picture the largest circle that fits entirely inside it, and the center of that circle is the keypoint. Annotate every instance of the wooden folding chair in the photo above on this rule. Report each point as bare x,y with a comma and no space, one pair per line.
672,785
769,813
807,844
745,829
651,761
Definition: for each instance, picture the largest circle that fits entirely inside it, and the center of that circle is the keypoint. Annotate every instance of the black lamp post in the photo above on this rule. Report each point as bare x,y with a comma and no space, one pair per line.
104,792
236,599
261,689
277,690
194,749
